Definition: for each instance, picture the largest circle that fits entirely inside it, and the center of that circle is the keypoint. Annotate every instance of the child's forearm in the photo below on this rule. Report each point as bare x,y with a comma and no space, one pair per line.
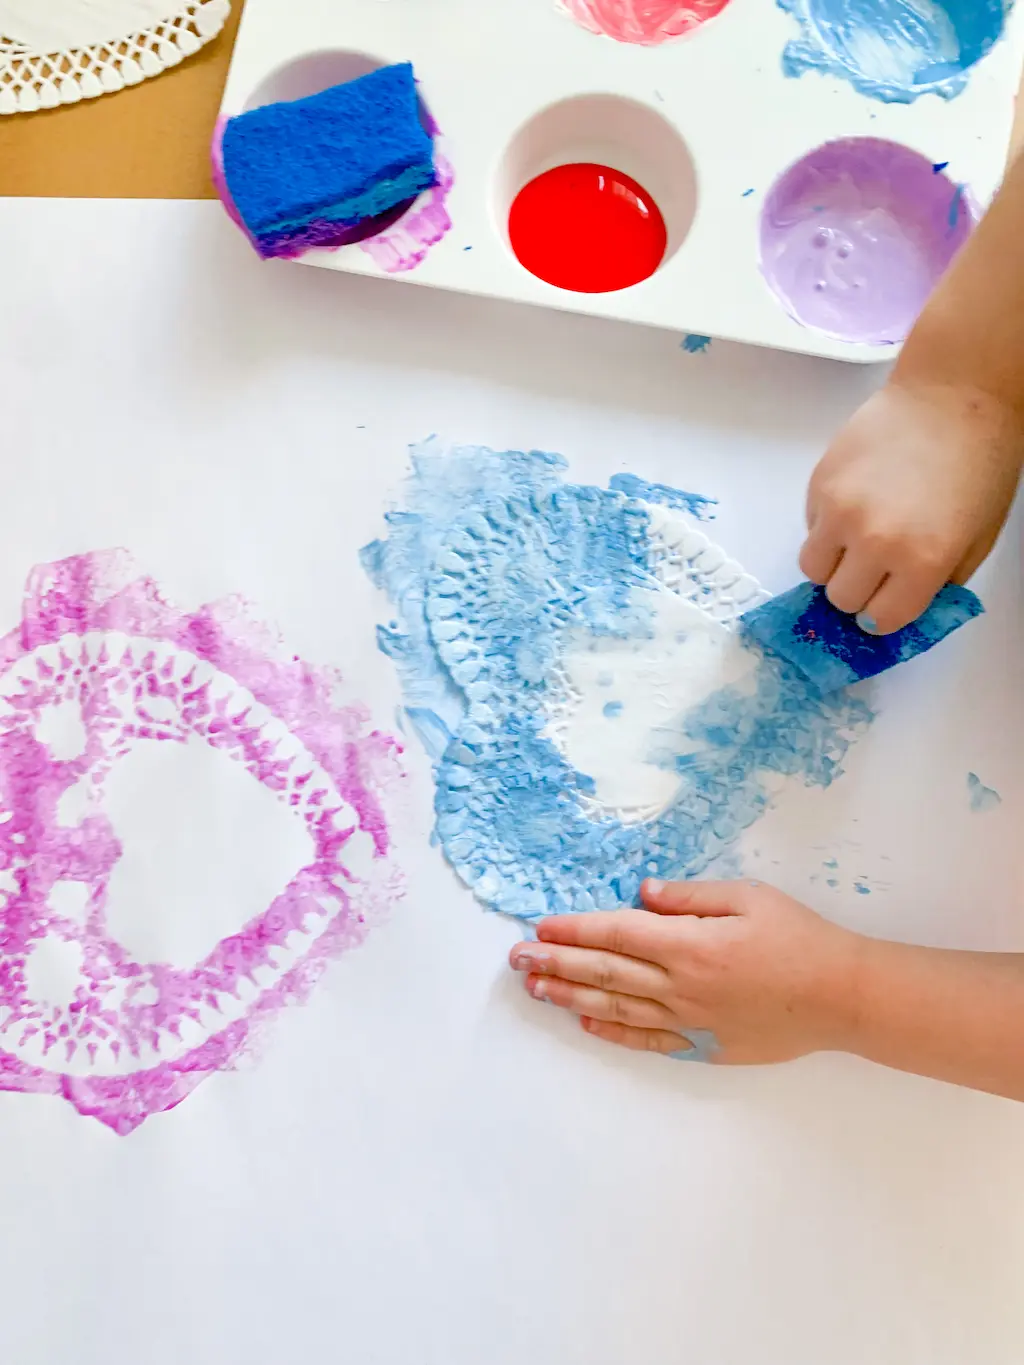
971,332
955,1016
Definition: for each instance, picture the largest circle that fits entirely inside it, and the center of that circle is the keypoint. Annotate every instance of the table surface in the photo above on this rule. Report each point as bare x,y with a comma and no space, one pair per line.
104,149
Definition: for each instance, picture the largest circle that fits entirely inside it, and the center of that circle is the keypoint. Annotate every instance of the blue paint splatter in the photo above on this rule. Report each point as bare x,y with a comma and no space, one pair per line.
862,888
894,50
704,1045
634,487
956,203
495,566
695,344
832,881
612,709
980,797
805,628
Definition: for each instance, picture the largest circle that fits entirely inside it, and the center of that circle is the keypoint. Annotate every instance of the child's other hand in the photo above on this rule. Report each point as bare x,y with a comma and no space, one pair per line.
768,978
911,495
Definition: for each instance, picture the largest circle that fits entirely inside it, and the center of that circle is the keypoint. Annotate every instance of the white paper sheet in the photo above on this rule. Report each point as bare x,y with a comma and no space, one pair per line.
422,1167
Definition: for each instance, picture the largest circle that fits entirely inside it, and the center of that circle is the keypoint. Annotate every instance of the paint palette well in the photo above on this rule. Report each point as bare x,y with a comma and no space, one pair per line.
776,182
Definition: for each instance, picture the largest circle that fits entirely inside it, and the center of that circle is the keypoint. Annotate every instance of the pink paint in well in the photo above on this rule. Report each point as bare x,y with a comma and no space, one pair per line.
129,1038
645,22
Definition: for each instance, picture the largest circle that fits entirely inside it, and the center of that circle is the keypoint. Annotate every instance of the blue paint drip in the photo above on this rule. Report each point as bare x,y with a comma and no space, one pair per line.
956,206
894,50
612,709
829,647
695,503
980,797
695,344
705,1045
495,566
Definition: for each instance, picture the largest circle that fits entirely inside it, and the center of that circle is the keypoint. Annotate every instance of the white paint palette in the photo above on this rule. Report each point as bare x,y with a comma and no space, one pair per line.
708,123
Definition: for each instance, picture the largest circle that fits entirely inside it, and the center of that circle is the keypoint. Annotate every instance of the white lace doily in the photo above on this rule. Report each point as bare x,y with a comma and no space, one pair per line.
55,52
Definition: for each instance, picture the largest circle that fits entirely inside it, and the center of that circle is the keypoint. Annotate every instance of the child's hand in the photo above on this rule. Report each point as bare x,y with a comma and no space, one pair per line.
911,495
766,976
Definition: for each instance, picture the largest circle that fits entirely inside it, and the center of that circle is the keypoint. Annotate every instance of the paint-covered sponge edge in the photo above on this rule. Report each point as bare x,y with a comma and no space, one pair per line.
830,648
333,160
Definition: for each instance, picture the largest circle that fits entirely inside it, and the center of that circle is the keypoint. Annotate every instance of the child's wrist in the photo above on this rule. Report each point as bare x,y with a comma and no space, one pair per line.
839,989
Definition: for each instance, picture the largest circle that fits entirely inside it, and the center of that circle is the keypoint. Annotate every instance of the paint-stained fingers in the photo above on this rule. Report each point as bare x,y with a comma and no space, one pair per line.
901,599
596,1004
669,1043
821,554
592,967
855,582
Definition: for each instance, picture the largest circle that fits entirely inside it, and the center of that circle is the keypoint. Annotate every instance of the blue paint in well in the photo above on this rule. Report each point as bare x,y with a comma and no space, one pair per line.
894,50
695,503
695,344
829,647
705,1045
495,566
980,797
612,709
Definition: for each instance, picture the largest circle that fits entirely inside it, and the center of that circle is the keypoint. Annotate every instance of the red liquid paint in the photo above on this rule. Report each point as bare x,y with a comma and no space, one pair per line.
648,22
587,228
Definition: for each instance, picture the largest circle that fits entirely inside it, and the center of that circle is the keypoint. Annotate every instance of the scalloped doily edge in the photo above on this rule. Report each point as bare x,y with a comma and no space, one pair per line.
31,81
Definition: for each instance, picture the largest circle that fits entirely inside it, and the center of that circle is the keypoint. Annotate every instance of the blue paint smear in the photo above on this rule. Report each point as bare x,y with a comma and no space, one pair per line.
746,194
939,167
980,797
830,648
612,709
894,50
956,205
694,503
495,566
862,889
705,1045
695,344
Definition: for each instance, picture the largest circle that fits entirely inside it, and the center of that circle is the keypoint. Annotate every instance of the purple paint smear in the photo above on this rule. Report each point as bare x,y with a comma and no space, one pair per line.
396,241
855,236
136,1038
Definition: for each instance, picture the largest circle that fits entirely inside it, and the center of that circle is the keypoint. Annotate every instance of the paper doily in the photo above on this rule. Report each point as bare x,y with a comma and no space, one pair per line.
63,51
568,657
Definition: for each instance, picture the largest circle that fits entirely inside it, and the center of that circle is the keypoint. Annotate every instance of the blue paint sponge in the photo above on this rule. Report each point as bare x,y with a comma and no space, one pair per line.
345,155
829,647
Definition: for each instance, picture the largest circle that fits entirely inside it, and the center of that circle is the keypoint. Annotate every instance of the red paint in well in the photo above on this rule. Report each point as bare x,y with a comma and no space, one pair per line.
587,228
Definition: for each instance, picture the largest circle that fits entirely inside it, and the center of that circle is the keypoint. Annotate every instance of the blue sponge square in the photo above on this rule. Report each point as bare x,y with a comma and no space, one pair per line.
829,647
348,153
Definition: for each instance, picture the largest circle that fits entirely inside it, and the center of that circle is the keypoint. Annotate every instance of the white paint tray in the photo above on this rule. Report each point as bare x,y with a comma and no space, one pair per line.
706,123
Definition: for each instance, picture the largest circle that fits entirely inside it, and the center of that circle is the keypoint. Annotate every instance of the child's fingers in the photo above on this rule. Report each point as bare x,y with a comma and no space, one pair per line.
821,554
900,599
591,967
630,933
692,898
668,1043
606,1005
857,579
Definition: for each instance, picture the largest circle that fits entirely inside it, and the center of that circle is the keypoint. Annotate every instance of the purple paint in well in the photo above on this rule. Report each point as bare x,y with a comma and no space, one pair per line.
855,236
131,1037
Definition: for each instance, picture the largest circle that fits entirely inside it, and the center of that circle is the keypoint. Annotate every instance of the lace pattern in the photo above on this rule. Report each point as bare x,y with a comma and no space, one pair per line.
76,51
